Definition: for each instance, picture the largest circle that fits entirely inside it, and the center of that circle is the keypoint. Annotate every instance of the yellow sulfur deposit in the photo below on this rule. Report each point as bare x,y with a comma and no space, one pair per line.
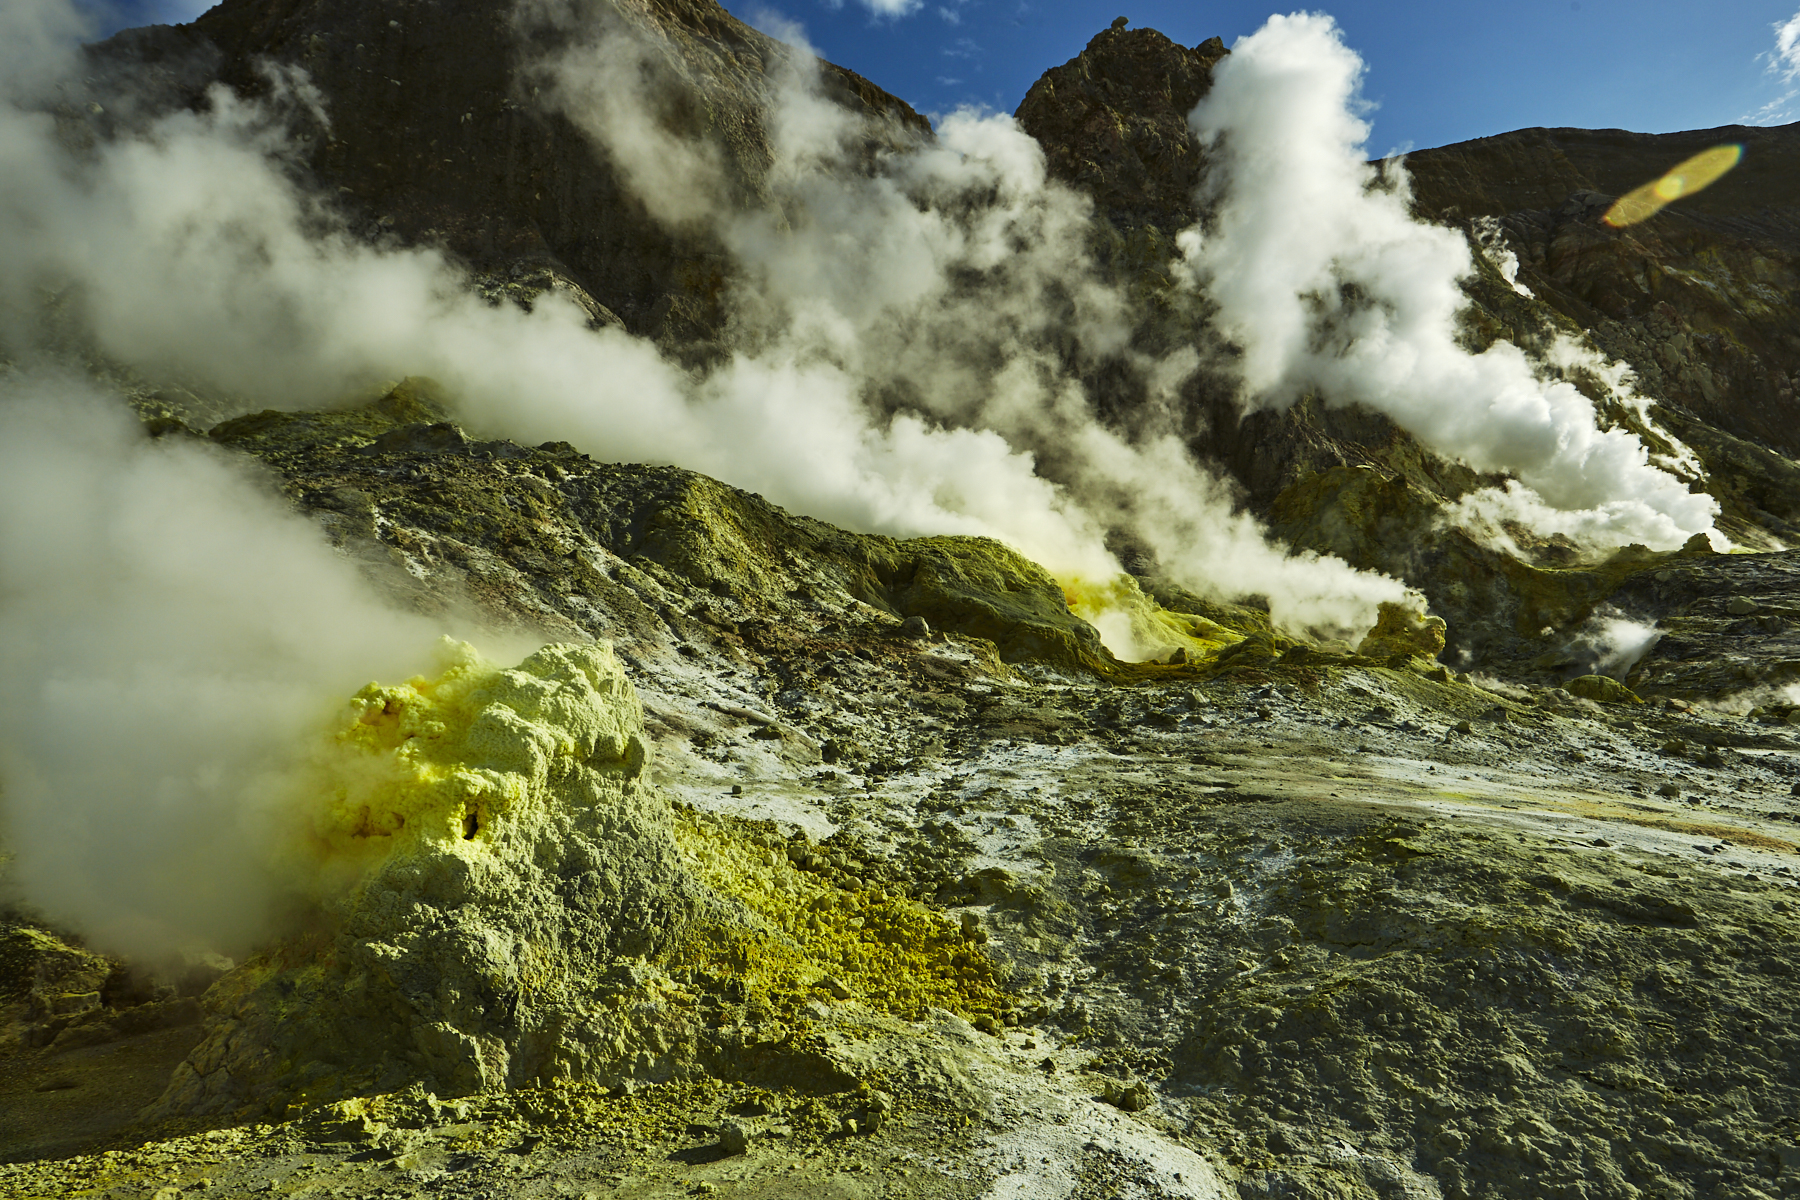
439,764
1136,629
887,951
501,899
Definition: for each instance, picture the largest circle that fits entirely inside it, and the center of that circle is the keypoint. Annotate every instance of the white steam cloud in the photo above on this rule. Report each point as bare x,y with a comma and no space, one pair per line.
944,283
1612,643
1326,283
169,633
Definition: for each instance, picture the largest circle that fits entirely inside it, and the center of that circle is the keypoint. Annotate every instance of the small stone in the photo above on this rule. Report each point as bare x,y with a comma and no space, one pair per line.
835,987
1602,843
737,789
734,1138
1464,727
916,628
1499,716
1179,657
1741,606
986,1024
1676,747
850,1127
1668,789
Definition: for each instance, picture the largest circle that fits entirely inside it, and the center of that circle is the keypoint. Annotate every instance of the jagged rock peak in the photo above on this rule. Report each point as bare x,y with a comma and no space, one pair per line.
1113,122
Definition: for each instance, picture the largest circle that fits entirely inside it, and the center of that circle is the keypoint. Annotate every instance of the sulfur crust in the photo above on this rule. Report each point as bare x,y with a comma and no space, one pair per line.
439,765
502,899
417,766
889,952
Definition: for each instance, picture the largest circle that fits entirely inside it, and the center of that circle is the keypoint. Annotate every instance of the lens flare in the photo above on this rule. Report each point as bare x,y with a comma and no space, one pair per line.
1700,171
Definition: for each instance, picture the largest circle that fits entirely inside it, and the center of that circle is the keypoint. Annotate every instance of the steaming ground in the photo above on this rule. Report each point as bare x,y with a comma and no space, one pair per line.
1153,865
188,252
905,335
171,635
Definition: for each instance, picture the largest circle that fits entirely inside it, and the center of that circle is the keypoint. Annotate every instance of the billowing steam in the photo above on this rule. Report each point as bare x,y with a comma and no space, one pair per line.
911,332
1326,283
195,256
938,296
168,633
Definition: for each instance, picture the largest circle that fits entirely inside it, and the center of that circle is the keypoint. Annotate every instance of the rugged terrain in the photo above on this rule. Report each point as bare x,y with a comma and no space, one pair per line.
858,867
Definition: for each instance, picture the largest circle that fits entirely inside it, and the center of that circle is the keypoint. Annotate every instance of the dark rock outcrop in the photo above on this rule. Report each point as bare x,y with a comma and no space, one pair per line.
435,133
1113,122
1700,299
462,524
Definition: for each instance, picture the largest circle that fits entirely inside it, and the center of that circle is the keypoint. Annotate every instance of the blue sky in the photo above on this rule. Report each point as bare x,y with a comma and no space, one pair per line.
1438,71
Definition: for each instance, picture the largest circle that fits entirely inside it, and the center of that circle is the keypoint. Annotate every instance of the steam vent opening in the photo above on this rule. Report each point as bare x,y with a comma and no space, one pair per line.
471,825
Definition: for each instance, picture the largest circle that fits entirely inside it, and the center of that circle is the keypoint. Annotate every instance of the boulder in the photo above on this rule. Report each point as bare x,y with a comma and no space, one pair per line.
1602,688
1403,632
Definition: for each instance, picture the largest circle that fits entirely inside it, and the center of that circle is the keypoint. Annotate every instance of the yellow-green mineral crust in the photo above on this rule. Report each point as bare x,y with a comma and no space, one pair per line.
502,899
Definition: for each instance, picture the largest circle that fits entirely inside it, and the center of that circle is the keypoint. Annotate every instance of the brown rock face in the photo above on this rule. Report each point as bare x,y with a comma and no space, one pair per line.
1113,122
1700,299
436,133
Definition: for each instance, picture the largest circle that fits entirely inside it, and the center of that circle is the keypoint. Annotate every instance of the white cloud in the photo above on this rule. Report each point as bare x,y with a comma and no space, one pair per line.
1783,62
1786,58
893,9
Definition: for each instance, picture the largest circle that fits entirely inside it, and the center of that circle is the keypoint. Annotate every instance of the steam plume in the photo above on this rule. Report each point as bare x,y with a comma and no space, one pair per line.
168,635
941,294
171,633
1326,282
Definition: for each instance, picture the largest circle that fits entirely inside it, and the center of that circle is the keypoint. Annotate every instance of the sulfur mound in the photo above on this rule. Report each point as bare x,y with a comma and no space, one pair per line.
500,898
489,840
